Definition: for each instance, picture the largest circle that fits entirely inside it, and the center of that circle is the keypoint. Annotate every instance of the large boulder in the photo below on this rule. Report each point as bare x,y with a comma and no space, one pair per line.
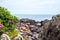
24,28
53,29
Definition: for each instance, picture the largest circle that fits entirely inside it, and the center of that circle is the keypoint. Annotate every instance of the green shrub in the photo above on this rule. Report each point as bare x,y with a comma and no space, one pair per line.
8,21
12,34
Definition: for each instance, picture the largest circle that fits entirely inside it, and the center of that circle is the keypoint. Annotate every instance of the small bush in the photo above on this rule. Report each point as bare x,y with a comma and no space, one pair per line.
12,34
8,21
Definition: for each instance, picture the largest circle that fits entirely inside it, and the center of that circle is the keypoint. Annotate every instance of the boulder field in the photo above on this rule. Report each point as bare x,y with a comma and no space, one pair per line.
37,30
40,30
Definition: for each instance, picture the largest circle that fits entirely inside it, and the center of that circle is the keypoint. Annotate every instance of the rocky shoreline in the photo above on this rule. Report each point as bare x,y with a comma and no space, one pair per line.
37,30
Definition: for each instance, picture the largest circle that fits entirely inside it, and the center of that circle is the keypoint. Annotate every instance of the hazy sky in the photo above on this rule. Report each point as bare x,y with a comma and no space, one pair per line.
32,6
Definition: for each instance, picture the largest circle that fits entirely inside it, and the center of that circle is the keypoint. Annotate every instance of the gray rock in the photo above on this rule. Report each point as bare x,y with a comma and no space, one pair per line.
27,21
51,29
5,37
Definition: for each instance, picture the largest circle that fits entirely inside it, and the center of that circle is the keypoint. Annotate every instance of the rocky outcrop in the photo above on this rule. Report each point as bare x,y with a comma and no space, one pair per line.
37,30
31,28
41,30
52,31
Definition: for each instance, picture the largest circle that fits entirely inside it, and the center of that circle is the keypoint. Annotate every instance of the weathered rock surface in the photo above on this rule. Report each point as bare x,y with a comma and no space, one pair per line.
31,28
52,31
41,30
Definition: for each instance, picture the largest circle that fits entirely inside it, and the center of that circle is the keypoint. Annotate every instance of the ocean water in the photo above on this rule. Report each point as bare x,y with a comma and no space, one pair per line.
34,17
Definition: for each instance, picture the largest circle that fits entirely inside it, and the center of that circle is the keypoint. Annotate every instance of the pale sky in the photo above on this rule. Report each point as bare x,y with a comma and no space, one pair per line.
32,6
